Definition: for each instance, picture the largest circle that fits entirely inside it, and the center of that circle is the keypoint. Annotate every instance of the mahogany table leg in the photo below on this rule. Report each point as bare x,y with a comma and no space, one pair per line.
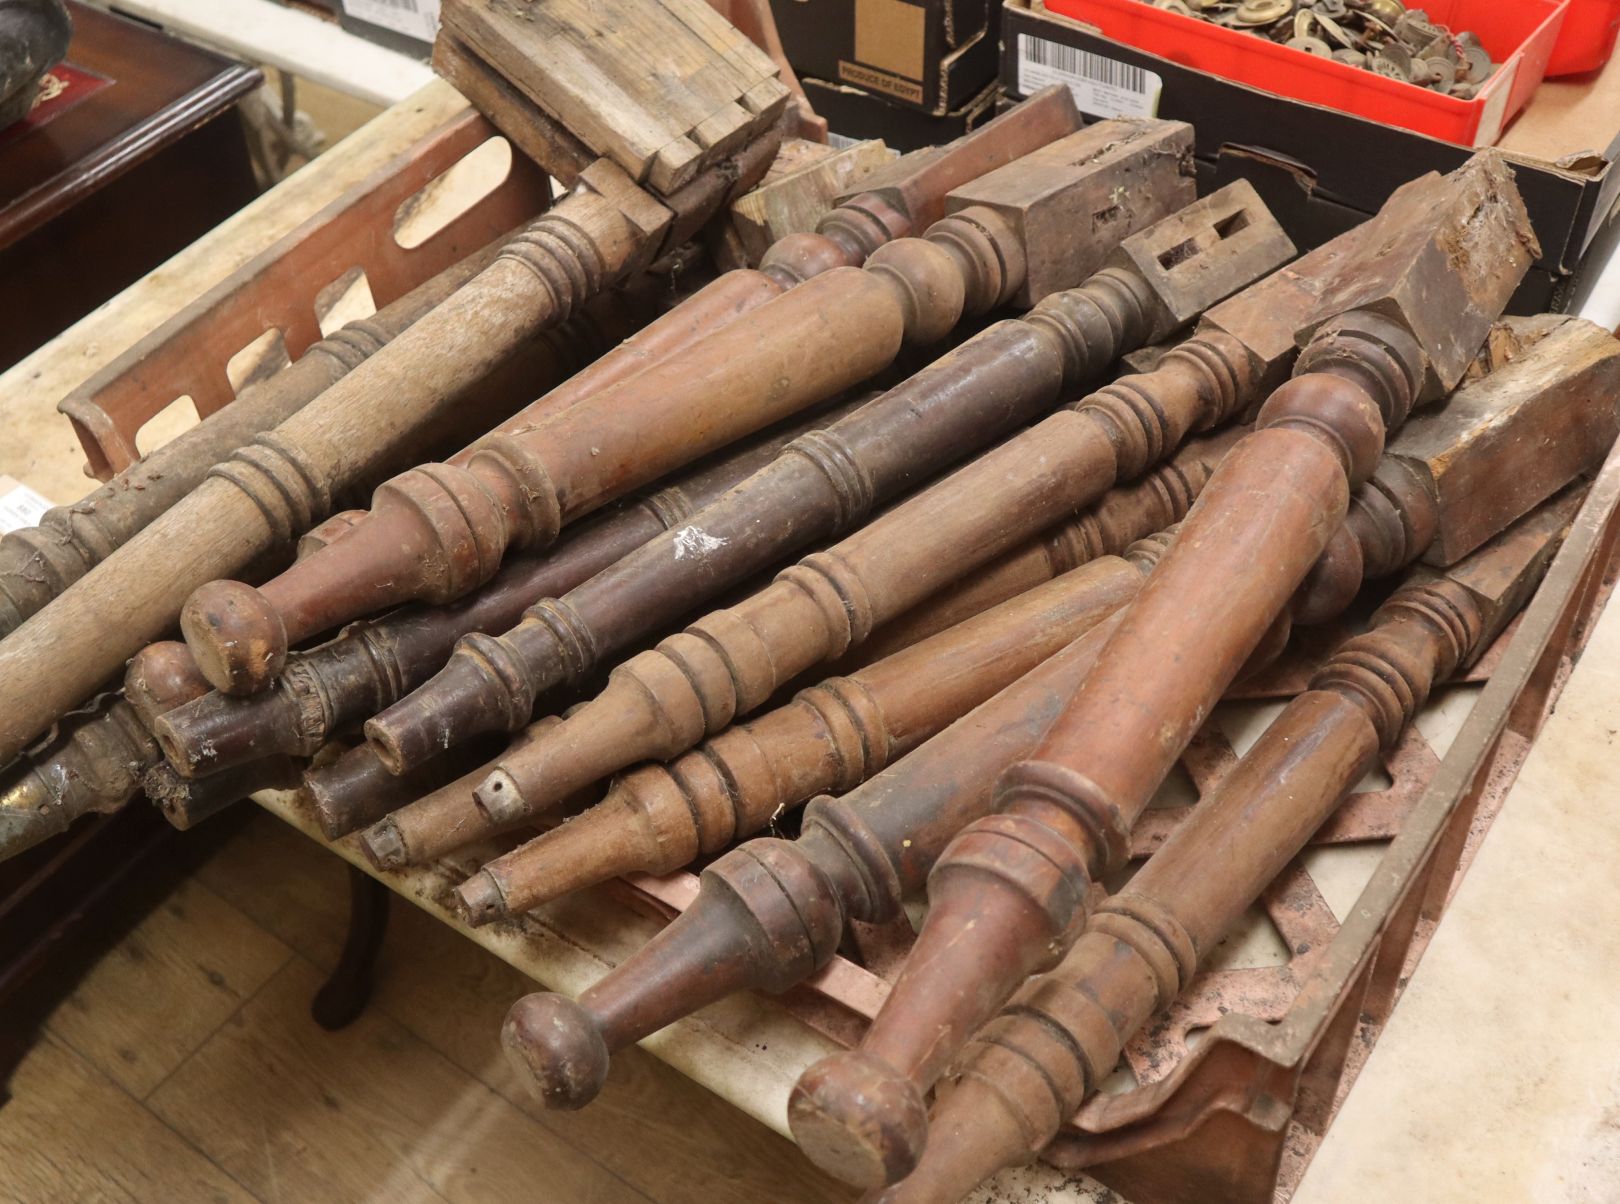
345,994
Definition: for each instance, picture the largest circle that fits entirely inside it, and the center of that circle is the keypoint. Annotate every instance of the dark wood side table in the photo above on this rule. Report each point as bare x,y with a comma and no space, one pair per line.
136,155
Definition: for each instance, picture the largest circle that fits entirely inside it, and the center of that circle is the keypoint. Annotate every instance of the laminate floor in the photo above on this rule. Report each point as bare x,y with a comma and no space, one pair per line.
186,1067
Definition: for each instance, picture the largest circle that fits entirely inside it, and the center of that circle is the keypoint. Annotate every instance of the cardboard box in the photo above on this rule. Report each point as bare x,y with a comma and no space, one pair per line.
931,55
856,115
1323,171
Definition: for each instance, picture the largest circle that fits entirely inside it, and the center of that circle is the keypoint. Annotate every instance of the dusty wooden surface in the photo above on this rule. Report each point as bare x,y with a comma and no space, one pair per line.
793,200
583,64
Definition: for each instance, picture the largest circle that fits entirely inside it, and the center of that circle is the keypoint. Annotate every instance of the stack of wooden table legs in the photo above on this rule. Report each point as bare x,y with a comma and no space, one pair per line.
1033,579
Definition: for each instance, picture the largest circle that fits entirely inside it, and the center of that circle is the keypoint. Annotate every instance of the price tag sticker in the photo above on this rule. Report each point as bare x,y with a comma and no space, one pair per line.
20,506
1102,87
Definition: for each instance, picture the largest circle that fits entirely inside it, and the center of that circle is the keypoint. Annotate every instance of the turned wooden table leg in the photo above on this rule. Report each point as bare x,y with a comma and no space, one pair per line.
346,992
1009,896
1029,1069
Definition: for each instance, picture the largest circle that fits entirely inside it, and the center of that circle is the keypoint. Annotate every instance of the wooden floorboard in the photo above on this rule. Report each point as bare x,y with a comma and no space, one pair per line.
657,1129
372,1113
186,1067
284,884
70,1134
163,990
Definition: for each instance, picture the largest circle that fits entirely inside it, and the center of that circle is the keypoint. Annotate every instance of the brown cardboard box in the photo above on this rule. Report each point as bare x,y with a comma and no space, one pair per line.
931,55
855,115
1323,171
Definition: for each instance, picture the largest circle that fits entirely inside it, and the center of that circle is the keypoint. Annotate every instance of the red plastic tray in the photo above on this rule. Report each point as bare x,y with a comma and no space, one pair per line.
1519,34
1587,39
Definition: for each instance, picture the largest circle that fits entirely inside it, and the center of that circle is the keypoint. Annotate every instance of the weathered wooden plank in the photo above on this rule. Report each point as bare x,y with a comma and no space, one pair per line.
661,88
750,64
725,129
529,127
552,71
767,98
794,201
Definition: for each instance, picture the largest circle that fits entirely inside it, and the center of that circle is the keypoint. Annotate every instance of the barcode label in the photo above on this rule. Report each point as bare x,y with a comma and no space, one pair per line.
1102,87
20,506
413,18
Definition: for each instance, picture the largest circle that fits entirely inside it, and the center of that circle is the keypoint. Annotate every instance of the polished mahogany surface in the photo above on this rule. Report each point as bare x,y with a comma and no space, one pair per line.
97,192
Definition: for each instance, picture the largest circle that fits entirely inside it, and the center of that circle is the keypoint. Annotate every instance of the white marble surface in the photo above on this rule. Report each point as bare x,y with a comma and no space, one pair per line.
264,31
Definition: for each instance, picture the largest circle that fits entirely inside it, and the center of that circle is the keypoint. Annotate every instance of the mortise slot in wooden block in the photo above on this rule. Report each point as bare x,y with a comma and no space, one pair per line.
445,198
179,416
346,299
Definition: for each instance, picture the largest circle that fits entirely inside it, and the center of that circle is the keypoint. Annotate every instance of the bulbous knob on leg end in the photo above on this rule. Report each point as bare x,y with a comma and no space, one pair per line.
236,637
557,1047
859,1119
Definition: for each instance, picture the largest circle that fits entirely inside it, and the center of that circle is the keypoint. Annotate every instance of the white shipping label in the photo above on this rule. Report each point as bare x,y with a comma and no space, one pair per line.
413,18
1102,87
20,507
1496,97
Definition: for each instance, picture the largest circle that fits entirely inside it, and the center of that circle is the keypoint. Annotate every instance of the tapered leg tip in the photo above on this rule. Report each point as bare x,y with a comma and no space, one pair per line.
481,688
396,756
500,799
353,791
329,813
480,901
383,846
23,829
236,637
556,1046
859,1119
